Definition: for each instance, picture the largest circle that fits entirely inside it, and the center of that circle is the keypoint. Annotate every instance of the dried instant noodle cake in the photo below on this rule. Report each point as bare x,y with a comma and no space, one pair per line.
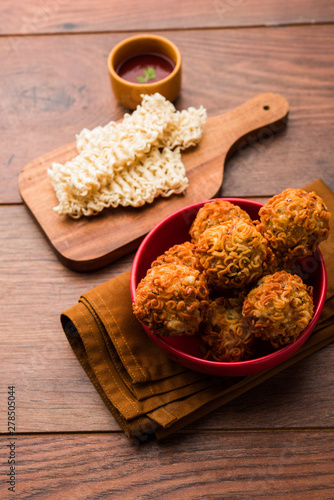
172,300
279,308
294,222
161,173
128,163
232,254
226,336
185,128
214,213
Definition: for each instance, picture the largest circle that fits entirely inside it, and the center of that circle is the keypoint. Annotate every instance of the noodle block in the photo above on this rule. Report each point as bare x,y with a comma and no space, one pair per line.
128,163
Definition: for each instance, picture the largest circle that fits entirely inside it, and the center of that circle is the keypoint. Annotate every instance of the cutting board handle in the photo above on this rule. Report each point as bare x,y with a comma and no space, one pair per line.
259,118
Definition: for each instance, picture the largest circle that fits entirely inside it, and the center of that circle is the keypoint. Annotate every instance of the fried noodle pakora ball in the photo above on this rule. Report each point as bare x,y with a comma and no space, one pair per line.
172,300
226,336
178,254
279,308
232,254
214,213
294,223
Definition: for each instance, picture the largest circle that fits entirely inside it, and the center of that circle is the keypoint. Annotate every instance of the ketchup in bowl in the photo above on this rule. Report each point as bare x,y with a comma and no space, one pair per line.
145,68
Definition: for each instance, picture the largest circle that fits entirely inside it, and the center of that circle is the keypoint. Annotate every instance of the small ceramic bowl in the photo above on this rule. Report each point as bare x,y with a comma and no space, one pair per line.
128,92
174,229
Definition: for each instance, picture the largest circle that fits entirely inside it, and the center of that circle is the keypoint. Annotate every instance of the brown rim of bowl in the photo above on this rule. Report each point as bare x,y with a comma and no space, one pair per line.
126,41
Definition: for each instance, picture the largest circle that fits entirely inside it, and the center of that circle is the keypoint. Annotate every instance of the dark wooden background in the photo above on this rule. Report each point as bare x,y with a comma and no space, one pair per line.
275,441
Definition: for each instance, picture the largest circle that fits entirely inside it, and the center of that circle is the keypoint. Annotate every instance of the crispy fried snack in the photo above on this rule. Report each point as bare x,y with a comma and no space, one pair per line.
178,254
294,223
226,336
213,213
279,308
172,300
232,254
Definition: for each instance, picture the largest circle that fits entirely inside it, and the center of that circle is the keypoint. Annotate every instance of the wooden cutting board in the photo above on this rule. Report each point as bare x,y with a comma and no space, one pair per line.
93,242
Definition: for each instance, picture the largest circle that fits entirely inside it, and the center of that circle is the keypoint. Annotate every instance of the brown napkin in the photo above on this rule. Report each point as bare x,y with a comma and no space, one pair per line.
145,390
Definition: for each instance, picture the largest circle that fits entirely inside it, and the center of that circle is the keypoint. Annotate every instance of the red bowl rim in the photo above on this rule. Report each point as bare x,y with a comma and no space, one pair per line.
245,366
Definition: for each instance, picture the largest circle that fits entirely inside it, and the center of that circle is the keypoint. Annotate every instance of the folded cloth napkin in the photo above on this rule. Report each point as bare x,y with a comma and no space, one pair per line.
145,390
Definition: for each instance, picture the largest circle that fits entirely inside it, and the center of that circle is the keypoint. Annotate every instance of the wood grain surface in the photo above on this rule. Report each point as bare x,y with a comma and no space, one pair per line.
49,95
233,465
93,242
65,16
277,440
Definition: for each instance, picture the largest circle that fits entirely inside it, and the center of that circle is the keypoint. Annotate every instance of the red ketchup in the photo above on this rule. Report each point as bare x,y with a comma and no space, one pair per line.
145,68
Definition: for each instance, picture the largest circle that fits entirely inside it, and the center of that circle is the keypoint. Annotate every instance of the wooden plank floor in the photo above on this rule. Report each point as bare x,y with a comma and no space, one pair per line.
277,440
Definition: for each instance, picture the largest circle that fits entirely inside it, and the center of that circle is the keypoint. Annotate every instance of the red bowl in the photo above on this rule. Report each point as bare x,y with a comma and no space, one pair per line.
174,229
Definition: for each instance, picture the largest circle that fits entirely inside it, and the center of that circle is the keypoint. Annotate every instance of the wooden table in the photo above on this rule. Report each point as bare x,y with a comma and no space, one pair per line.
277,441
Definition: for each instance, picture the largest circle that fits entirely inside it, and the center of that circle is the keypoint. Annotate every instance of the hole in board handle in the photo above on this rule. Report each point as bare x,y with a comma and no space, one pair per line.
266,107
